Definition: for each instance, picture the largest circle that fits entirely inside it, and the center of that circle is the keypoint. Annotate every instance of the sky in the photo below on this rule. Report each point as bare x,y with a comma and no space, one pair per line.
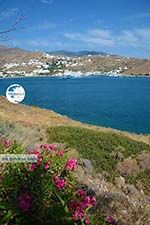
114,26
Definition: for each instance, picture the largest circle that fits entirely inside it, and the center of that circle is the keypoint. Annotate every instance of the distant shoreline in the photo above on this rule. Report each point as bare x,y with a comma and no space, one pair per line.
64,76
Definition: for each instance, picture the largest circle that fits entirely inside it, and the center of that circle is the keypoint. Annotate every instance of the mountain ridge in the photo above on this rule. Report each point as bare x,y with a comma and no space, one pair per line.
76,53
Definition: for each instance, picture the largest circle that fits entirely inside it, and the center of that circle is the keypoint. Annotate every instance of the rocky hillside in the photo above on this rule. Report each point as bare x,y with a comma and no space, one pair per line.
18,62
8,55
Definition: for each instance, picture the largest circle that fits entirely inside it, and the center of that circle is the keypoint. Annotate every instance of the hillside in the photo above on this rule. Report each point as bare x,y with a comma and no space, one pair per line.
8,55
18,62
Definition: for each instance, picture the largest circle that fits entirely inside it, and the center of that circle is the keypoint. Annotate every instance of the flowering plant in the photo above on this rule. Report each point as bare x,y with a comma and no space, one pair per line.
43,192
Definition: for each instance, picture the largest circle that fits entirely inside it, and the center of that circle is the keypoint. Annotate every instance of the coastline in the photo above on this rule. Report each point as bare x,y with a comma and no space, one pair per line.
36,116
77,75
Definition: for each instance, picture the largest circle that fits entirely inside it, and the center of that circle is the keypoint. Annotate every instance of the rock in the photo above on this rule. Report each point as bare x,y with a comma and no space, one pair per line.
124,212
131,189
120,182
119,155
128,167
87,166
100,176
144,160
93,187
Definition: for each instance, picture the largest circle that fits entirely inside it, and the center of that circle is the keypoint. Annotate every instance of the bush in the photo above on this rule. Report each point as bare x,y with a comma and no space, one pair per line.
44,192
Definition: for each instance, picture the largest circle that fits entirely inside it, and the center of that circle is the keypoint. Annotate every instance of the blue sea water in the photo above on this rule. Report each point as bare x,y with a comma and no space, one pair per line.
116,102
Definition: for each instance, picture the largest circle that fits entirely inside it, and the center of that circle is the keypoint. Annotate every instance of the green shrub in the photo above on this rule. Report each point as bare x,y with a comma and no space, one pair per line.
97,146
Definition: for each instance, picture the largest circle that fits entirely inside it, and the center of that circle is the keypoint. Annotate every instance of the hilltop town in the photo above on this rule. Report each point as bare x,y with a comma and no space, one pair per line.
17,62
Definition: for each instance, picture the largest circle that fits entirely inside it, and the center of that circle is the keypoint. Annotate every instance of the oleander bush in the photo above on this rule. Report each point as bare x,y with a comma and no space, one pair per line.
43,192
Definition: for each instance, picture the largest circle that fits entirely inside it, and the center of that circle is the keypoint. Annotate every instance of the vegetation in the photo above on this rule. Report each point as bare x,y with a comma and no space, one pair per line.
44,191
56,67
35,192
142,181
99,147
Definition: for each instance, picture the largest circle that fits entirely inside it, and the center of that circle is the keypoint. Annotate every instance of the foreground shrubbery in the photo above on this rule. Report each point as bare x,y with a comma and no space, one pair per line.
44,192
47,192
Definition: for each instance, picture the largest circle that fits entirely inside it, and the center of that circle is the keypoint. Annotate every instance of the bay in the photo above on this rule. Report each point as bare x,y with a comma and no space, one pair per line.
116,102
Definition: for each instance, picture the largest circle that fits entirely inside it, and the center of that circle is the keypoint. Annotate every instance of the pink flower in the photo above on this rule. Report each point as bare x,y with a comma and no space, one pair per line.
72,204
46,165
80,192
86,202
48,147
52,147
45,147
6,143
60,153
32,167
38,154
93,200
35,151
5,223
40,158
87,221
78,214
78,209
60,183
110,220
24,202
71,164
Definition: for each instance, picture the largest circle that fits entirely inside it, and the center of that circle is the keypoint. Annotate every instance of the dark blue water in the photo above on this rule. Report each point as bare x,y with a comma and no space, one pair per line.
121,103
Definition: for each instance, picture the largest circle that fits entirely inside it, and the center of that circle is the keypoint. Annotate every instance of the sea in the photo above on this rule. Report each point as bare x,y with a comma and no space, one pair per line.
117,102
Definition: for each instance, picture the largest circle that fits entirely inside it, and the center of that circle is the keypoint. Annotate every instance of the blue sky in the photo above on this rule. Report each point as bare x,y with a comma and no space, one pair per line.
114,26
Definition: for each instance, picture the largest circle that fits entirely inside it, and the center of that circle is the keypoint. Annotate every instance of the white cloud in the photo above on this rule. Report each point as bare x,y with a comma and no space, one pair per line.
100,37
30,43
47,1
144,33
7,13
100,41
74,36
100,33
37,43
46,25
15,43
136,38
129,38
